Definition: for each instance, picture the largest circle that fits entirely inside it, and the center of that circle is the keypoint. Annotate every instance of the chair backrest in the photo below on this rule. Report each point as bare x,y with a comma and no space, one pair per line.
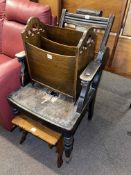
17,14
83,19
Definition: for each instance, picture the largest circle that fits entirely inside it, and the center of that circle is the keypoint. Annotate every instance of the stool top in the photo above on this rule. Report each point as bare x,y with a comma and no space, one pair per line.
47,105
36,129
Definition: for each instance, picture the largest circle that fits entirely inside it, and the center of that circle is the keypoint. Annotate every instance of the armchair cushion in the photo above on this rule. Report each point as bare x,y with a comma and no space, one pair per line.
9,76
21,11
7,70
4,58
11,38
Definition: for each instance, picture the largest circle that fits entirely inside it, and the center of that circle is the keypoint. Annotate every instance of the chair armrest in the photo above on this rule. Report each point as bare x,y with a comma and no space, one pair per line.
94,66
90,71
20,56
24,78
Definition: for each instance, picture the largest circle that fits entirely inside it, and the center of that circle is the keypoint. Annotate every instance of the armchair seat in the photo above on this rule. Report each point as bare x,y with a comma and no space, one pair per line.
56,109
9,81
4,59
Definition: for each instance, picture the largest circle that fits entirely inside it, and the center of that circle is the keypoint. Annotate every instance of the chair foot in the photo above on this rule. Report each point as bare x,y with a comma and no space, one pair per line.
59,161
68,159
23,138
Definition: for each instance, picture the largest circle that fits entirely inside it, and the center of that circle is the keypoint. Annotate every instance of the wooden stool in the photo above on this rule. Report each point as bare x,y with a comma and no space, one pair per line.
53,138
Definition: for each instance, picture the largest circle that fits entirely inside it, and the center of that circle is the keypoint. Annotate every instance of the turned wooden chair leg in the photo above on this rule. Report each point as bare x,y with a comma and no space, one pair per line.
60,150
23,138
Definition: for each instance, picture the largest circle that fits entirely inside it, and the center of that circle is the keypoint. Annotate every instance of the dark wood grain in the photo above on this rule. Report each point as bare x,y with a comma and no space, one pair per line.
122,59
54,4
57,56
57,73
127,27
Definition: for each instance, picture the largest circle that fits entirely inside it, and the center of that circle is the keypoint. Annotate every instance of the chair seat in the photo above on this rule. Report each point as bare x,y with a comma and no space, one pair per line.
4,58
43,103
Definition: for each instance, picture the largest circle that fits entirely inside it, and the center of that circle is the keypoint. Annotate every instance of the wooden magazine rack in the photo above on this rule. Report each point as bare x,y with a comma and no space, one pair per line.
56,56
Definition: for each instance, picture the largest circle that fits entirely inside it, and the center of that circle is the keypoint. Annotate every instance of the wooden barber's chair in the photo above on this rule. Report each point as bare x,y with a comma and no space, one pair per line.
64,71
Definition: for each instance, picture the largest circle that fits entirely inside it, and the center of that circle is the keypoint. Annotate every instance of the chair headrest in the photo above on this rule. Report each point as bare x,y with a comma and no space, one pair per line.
22,10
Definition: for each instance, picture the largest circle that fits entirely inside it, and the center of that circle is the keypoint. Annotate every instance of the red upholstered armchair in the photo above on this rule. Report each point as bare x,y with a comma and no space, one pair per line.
16,15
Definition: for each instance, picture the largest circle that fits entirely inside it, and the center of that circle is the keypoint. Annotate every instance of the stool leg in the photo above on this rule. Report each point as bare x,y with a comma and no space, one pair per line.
50,146
23,138
13,128
20,129
59,150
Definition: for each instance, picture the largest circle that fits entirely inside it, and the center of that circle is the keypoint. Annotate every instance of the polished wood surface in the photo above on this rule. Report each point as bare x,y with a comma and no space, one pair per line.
127,27
55,6
115,7
109,44
52,70
37,129
122,59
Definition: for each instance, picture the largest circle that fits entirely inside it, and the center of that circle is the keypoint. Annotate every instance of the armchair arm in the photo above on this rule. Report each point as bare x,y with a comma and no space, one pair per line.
90,79
20,56
94,66
87,77
90,71
24,77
